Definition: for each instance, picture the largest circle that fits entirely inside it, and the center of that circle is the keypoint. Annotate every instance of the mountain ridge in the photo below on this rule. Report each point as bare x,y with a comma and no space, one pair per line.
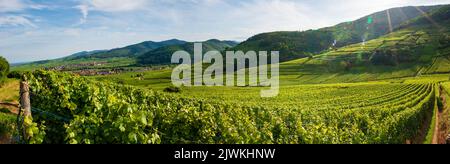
294,44
134,50
163,55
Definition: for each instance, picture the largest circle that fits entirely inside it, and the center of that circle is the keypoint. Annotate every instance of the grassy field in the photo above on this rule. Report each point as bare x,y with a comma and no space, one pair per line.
74,64
446,87
9,91
157,79
292,93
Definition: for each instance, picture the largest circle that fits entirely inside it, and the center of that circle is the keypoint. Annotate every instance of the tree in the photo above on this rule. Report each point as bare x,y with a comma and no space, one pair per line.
15,75
384,57
4,67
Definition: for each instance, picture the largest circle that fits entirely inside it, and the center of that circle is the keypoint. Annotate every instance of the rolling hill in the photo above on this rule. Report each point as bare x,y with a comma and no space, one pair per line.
133,50
417,47
163,55
294,45
84,53
145,53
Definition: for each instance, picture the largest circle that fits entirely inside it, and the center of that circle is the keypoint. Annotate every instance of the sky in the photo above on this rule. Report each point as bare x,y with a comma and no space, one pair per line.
32,30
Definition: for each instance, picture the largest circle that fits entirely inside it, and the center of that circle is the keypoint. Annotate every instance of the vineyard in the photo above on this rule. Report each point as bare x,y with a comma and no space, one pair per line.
446,86
76,110
446,104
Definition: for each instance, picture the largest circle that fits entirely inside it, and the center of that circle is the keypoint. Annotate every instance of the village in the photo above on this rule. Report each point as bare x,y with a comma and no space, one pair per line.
100,69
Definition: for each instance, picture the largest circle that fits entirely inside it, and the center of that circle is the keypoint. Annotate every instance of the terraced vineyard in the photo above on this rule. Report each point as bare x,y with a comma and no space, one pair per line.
356,63
94,112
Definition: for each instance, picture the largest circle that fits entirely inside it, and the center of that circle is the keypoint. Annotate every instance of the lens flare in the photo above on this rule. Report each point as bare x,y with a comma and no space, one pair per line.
389,20
370,20
428,18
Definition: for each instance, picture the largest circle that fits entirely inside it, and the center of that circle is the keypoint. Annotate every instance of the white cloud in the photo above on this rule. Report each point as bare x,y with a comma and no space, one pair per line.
109,6
11,5
36,6
227,20
272,15
14,20
333,12
20,5
118,5
84,10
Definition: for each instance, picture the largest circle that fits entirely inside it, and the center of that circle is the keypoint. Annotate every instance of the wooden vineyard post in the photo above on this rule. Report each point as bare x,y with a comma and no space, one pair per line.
25,98
25,104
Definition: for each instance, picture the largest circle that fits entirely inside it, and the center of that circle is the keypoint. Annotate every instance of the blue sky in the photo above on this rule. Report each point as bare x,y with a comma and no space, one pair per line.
33,30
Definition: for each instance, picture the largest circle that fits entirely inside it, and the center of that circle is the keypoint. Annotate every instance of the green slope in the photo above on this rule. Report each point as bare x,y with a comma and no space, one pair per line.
142,54
77,64
83,53
133,50
163,55
294,45
415,49
118,57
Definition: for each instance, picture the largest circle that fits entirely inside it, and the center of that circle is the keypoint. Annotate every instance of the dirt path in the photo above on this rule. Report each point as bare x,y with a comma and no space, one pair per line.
441,129
9,95
5,139
436,129
13,108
